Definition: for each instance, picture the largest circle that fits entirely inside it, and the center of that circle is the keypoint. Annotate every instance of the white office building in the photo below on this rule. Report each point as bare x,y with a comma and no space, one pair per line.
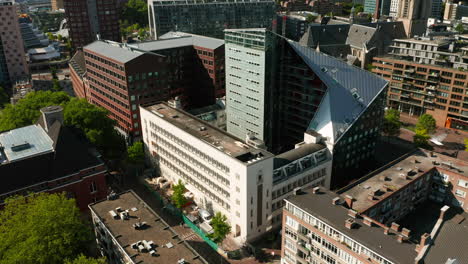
225,174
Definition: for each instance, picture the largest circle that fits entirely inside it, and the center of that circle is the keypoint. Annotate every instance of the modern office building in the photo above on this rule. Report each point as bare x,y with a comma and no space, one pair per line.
128,231
377,8
437,10
227,174
455,11
120,77
414,15
43,158
277,89
208,18
92,19
13,64
406,213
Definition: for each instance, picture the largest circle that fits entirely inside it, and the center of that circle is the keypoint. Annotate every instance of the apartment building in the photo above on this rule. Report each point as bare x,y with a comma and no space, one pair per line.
227,174
13,64
406,213
455,11
208,18
430,79
128,231
377,8
90,20
120,77
43,158
276,89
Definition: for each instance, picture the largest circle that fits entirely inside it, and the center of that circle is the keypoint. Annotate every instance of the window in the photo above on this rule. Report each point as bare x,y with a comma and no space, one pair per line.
463,183
93,187
460,193
292,223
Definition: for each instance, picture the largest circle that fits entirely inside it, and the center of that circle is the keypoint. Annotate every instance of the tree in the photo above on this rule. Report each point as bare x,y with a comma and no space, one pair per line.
426,122
136,154
221,227
4,98
459,28
136,12
178,197
56,85
391,124
420,139
59,37
41,228
51,36
82,259
311,18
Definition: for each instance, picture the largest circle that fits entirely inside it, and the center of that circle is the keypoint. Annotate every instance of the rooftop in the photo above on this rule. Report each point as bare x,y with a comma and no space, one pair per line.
398,174
24,142
438,41
196,40
120,52
169,246
213,136
320,205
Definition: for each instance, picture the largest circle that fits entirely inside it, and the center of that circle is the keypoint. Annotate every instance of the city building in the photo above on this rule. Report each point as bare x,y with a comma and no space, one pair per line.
276,89
427,76
437,9
455,11
43,158
414,15
377,8
394,8
33,37
292,25
227,174
43,54
77,66
13,64
208,18
92,19
214,115
128,231
356,44
410,211
190,67
57,4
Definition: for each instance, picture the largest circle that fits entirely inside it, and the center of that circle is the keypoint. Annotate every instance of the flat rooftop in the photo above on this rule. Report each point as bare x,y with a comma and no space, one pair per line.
320,205
440,41
24,142
157,231
397,174
213,136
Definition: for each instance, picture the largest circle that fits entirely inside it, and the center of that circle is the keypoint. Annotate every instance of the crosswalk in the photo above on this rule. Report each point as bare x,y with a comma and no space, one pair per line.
188,236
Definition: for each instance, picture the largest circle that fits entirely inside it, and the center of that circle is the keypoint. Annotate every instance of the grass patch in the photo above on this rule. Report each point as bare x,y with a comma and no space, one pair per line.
409,127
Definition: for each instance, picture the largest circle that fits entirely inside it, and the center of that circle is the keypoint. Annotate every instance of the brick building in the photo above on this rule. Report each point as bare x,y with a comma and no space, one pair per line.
120,77
390,216
89,18
418,88
13,64
43,158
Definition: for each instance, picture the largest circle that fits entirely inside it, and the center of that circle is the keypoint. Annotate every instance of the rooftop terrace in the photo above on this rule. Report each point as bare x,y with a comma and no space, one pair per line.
169,246
397,174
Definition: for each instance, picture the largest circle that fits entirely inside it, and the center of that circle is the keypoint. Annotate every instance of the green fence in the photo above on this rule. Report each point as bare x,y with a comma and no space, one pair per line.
177,213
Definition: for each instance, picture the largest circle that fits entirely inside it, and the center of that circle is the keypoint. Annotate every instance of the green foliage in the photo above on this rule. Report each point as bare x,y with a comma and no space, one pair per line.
426,122
369,67
136,154
26,111
53,71
82,259
347,8
56,85
391,124
311,18
459,28
92,120
4,98
59,37
220,226
42,228
178,197
420,139
51,36
358,9
466,144
136,12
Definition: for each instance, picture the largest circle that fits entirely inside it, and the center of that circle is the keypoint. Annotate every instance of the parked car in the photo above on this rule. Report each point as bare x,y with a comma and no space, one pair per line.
205,227
205,215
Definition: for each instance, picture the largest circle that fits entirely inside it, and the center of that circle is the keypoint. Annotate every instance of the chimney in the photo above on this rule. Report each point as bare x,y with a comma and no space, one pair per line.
336,200
400,238
349,201
405,232
443,210
315,190
349,223
352,213
367,221
425,240
50,114
395,227
386,230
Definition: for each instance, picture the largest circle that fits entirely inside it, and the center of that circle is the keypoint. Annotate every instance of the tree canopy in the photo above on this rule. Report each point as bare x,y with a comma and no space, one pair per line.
178,197
136,12
391,124
420,139
459,28
426,122
4,98
221,227
82,259
136,153
41,228
92,120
